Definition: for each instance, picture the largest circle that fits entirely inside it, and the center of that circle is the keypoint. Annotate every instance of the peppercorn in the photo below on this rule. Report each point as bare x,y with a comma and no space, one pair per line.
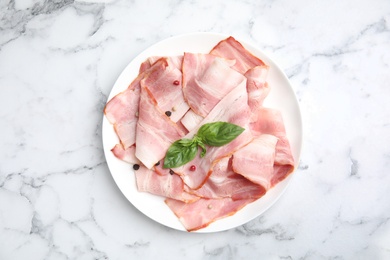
176,82
192,168
171,172
168,113
136,167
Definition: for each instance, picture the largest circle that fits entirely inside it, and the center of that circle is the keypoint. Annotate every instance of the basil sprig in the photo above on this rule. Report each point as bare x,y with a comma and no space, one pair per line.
180,152
219,133
212,134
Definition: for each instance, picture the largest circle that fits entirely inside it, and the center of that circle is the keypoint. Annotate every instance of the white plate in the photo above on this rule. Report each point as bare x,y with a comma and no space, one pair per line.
281,97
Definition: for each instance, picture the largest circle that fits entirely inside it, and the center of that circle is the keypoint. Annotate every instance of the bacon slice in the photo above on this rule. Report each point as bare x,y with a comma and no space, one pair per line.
127,155
155,131
163,81
202,212
162,171
255,161
206,80
270,121
257,86
190,120
170,186
176,61
254,69
144,66
233,108
231,49
281,171
225,183
121,111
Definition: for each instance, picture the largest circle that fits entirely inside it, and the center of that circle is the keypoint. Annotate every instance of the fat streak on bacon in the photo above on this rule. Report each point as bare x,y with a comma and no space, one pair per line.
170,99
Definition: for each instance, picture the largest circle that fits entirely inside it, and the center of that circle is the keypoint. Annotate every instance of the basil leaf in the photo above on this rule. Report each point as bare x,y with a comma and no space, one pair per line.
180,152
219,133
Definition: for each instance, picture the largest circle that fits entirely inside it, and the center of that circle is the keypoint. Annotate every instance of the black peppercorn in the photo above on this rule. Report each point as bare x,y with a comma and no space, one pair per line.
171,172
168,113
136,167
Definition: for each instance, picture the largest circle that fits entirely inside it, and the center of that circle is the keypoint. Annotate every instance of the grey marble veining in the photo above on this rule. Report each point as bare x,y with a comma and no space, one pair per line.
58,63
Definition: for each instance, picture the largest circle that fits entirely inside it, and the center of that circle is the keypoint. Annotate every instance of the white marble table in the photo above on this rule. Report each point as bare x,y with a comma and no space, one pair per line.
58,63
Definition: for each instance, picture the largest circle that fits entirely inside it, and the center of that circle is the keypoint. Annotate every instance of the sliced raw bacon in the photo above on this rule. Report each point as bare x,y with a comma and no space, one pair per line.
254,69
202,212
127,155
225,183
144,66
255,161
191,120
270,121
233,108
170,186
171,98
176,61
281,171
159,169
257,86
206,80
231,49
122,111
164,83
155,131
